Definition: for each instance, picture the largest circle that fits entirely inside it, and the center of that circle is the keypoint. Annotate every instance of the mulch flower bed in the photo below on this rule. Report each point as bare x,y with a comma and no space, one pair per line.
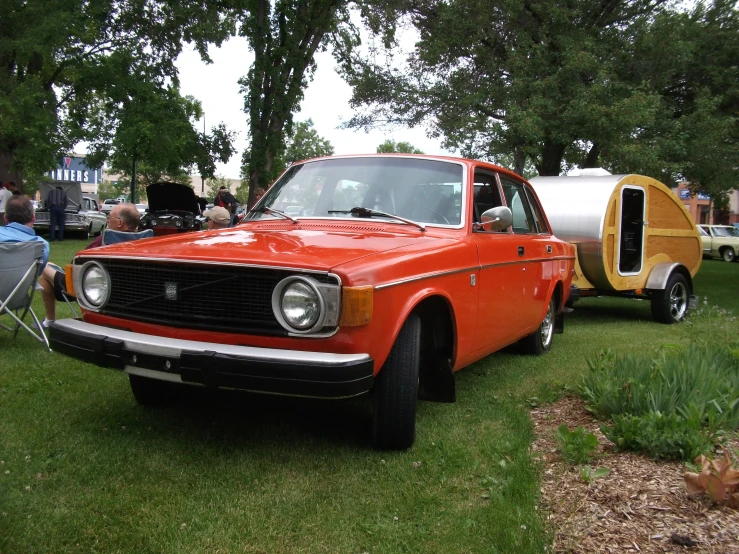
640,506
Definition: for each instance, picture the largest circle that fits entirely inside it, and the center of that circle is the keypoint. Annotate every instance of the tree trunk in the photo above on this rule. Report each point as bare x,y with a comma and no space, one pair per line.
591,160
551,159
519,161
7,172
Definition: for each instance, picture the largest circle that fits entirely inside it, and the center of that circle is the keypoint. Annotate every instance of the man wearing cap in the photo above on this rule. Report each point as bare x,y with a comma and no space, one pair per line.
225,199
217,217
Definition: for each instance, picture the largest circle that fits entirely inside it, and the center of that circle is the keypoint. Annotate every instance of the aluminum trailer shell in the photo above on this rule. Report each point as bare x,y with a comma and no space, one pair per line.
586,211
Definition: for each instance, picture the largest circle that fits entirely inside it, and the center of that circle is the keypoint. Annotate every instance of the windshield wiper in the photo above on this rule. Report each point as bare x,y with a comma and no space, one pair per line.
366,212
271,211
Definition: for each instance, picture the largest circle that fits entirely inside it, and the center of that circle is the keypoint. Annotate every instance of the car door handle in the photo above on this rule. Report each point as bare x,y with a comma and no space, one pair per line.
549,248
520,250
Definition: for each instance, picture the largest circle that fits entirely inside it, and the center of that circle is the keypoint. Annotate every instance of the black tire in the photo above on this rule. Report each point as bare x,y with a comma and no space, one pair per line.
396,391
150,392
540,341
728,254
671,304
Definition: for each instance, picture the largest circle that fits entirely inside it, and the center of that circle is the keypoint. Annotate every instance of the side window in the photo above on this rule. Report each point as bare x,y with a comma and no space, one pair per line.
94,206
486,194
517,200
537,212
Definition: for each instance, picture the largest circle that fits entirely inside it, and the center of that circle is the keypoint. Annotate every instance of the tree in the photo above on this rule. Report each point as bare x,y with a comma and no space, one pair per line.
284,35
60,60
304,143
536,79
242,192
390,146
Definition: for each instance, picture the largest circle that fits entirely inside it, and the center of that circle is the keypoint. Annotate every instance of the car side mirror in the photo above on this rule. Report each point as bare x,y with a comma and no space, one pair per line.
496,219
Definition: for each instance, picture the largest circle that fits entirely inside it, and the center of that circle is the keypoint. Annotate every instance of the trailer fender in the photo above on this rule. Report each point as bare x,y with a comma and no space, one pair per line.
661,272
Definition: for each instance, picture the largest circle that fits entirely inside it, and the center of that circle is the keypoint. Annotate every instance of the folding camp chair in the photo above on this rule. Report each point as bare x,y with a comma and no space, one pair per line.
20,266
114,237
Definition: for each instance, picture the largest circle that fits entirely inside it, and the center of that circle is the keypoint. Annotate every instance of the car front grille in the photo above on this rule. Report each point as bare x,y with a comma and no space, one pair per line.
222,298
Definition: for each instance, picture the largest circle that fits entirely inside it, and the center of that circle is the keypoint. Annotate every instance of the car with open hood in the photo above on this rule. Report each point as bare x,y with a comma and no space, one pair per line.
402,270
173,208
82,214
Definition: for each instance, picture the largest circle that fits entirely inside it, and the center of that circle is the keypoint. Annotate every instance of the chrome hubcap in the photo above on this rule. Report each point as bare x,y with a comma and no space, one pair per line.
678,301
547,326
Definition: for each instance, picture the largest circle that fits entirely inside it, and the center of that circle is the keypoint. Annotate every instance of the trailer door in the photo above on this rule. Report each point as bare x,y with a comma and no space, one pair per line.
631,230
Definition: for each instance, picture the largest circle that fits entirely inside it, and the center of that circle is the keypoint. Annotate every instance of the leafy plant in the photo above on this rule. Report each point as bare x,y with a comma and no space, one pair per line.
718,478
576,446
661,436
588,474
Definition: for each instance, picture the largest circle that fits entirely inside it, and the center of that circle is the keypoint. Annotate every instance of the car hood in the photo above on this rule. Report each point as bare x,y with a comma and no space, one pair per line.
72,188
313,246
172,197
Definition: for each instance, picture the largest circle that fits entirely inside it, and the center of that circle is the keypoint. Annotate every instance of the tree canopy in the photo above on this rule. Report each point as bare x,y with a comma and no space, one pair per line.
390,146
62,63
628,85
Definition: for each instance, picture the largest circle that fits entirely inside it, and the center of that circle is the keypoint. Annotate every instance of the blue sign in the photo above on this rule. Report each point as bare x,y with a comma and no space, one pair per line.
685,193
703,196
73,168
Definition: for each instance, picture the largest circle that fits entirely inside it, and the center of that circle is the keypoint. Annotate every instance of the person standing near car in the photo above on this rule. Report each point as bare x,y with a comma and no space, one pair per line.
5,195
56,201
225,199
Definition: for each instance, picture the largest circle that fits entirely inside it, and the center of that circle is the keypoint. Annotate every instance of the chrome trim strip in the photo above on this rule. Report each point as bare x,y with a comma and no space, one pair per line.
98,256
472,268
164,346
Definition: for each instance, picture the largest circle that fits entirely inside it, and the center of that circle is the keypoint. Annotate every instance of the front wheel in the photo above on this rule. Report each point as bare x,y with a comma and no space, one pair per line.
396,391
728,254
540,341
671,304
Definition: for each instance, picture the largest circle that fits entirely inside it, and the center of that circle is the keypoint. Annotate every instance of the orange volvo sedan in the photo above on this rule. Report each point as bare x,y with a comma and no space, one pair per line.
381,273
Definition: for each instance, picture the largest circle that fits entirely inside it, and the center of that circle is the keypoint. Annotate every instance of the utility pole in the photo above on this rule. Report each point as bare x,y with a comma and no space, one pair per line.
202,177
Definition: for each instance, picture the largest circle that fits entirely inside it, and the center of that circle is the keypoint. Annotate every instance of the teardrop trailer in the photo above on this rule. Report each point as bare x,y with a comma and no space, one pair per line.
633,238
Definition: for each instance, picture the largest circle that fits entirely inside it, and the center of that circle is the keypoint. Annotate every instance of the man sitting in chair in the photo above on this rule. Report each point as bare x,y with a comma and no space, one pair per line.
19,218
123,220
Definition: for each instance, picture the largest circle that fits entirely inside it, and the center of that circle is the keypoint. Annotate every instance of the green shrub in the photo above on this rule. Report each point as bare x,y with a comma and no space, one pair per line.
660,436
705,377
576,446
673,406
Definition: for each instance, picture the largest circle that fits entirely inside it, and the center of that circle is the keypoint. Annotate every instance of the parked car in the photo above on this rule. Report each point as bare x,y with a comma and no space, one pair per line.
173,208
720,241
141,208
82,215
108,204
409,269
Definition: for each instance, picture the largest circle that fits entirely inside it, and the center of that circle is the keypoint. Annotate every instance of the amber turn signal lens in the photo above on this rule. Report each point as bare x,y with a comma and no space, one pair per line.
69,279
356,306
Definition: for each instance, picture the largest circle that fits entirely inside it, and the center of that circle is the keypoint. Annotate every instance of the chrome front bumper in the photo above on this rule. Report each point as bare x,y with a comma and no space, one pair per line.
268,370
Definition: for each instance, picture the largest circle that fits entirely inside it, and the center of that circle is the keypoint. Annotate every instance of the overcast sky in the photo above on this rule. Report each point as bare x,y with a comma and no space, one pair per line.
326,102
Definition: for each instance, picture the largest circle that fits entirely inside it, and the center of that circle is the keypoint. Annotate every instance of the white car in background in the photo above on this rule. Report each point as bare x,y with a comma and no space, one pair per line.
142,208
108,204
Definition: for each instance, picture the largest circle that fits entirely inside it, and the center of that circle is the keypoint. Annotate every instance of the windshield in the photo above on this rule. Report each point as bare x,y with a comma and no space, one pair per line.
725,232
424,191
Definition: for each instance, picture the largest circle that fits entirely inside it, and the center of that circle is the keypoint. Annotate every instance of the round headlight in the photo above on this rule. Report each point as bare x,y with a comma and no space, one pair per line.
95,285
300,305
178,223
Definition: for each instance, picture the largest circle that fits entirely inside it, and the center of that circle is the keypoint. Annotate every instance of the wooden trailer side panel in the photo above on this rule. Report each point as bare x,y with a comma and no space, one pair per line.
669,234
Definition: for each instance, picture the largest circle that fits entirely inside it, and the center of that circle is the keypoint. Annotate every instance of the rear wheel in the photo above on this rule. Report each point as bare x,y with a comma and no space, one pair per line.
540,341
150,392
396,390
671,304
728,254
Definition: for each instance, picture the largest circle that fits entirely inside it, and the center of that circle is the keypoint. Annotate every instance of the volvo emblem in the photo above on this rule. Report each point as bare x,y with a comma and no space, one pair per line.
170,291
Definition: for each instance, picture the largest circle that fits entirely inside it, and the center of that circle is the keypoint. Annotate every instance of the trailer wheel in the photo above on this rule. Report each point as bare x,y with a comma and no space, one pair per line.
396,391
540,341
728,254
671,304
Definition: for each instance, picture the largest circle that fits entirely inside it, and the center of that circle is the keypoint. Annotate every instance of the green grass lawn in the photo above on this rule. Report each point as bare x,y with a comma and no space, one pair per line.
83,468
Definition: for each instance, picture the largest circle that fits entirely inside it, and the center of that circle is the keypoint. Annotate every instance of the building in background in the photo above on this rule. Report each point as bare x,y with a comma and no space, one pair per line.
702,209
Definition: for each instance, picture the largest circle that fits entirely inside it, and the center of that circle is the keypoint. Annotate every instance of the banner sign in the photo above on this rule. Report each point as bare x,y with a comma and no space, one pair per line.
73,168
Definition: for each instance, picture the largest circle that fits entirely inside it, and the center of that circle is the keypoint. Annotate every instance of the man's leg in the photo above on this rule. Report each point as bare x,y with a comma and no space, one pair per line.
61,216
52,223
47,292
